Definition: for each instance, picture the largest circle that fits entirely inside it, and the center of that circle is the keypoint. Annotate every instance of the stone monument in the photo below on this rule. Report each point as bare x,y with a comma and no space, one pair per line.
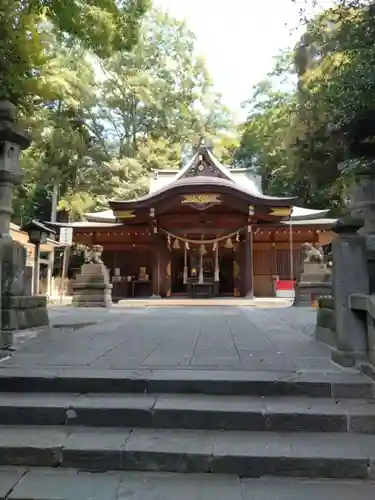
315,280
18,308
92,287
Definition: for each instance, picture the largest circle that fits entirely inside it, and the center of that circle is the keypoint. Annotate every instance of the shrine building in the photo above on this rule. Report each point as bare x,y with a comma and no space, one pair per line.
205,229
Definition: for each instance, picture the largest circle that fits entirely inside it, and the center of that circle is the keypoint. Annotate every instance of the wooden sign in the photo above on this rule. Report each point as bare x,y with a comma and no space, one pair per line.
281,211
201,201
125,214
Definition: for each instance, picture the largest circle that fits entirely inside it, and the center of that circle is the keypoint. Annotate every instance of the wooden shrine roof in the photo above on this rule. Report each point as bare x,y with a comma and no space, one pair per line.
204,185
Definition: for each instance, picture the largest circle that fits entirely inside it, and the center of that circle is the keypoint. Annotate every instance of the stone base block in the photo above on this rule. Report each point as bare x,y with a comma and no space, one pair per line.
326,335
325,330
92,288
18,313
92,297
306,291
349,359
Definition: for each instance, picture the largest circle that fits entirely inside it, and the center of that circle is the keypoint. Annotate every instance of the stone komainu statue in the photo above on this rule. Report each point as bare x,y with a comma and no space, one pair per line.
313,253
94,255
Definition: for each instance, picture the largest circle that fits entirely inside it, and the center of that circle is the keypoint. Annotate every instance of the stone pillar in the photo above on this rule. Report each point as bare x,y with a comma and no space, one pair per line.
350,275
248,278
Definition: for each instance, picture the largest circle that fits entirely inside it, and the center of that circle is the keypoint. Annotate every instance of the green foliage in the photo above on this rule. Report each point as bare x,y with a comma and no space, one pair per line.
28,28
151,102
264,145
101,126
336,84
290,136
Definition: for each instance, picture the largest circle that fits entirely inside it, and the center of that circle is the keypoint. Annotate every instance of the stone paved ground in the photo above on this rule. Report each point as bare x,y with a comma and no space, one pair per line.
310,436
230,338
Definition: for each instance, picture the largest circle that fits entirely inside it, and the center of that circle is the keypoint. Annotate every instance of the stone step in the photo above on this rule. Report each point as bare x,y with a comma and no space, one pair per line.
239,382
72,484
246,454
190,411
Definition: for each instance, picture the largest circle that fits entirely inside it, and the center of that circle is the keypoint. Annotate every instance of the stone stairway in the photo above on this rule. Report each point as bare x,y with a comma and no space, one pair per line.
204,434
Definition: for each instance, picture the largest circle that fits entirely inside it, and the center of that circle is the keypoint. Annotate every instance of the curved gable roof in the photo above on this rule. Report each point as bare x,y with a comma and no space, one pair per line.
204,184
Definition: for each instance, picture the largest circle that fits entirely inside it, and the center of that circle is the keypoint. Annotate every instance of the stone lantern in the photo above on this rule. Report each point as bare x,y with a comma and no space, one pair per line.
12,141
18,309
353,265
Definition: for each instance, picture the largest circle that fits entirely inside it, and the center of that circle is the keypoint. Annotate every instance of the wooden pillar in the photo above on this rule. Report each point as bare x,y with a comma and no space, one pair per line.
248,281
156,275
273,255
239,270
36,272
51,260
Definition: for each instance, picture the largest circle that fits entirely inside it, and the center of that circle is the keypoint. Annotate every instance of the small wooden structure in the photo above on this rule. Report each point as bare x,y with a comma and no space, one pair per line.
48,253
203,230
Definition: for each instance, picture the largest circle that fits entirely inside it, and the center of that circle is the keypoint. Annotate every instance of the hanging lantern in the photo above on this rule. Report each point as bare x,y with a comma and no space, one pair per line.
187,245
202,250
228,243
214,246
176,244
169,242
238,237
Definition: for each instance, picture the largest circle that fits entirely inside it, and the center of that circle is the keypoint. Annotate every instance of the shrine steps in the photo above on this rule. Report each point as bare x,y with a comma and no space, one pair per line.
188,381
189,412
245,425
72,484
242,453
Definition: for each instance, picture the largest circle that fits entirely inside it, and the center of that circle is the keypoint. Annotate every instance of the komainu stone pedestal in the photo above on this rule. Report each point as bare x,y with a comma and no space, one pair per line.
315,282
19,309
91,287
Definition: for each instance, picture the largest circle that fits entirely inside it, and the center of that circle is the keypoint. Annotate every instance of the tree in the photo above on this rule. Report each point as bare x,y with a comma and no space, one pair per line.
63,152
336,84
265,135
27,29
152,101
160,89
101,137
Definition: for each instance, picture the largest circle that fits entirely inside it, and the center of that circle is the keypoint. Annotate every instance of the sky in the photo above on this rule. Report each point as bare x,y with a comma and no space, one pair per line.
239,39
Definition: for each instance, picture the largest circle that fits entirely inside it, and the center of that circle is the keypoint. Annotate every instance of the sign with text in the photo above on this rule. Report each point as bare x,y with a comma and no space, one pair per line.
66,236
